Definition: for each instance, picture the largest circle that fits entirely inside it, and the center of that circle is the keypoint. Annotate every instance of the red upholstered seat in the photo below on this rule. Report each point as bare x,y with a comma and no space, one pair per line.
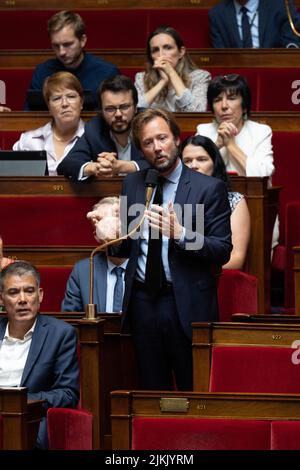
237,293
133,26
257,369
69,429
199,434
191,23
53,281
275,89
8,138
52,220
285,435
16,85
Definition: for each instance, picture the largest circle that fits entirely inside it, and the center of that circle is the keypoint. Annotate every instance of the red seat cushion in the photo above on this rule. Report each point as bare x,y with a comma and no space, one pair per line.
16,85
8,138
199,434
254,369
69,429
285,435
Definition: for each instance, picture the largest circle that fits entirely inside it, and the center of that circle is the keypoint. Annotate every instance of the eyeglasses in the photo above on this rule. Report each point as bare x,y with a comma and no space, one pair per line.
58,99
123,108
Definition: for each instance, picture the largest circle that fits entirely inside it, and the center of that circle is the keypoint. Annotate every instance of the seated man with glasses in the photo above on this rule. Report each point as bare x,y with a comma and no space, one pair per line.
106,148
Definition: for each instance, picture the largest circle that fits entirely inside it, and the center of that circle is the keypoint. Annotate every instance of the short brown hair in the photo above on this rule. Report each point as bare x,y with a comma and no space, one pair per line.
61,79
141,119
66,18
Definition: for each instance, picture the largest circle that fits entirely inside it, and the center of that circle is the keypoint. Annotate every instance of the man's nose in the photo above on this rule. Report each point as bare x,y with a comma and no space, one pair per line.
157,145
22,297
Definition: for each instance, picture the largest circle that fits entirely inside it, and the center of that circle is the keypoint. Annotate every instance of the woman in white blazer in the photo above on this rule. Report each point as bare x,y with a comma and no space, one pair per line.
63,94
245,145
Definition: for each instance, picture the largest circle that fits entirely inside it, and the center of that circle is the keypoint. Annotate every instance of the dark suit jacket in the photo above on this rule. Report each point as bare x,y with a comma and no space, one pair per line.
274,27
96,139
51,371
192,270
77,293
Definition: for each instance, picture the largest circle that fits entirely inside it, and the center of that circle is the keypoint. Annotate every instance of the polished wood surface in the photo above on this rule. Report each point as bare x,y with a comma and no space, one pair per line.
21,419
204,57
129,404
107,362
279,121
208,335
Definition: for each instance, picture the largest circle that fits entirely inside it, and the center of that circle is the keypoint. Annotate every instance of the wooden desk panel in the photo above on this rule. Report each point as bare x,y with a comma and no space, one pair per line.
208,335
129,404
279,121
20,419
206,58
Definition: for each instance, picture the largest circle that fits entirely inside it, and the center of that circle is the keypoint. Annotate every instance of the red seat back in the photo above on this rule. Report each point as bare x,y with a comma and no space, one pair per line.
8,138
254,369
53,281
237,293
199,434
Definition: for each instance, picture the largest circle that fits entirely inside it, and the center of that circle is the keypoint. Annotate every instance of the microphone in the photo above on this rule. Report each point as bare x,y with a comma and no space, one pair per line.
151,181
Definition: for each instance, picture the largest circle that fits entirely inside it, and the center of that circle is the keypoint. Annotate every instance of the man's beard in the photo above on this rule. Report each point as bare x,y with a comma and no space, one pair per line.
121,130
169,163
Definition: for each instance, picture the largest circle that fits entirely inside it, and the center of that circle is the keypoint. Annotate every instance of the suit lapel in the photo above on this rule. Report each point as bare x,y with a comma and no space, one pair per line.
263,16
184,187
100,282
231,24
3,324
37,342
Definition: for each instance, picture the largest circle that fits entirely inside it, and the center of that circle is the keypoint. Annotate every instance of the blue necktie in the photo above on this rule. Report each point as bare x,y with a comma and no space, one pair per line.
246,30
118,290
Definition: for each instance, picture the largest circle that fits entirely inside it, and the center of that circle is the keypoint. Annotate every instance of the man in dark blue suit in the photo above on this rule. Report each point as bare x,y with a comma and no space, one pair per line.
163,299
36,351
267,20
105,214
106,148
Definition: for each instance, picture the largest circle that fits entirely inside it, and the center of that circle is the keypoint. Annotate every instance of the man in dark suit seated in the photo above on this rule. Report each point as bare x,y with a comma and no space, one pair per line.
171,273
68,39
109,272
253,23
106,147
36,351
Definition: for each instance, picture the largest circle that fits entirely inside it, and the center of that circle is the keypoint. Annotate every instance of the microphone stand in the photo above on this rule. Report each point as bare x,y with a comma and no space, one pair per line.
292,25
91,308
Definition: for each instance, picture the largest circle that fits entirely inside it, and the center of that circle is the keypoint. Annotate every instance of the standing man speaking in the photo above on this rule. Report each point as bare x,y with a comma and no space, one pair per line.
170,278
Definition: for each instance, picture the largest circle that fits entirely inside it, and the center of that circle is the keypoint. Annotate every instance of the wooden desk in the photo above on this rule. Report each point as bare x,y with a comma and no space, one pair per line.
278,121
204,57
129,404
20,419
208,335
107,362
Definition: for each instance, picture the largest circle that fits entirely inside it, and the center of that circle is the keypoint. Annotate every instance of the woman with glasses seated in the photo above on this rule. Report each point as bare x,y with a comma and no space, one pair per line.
171,81
63,94
245,145
201,154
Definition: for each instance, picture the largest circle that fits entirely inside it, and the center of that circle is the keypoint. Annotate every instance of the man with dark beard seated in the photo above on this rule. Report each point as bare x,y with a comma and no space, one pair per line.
106,148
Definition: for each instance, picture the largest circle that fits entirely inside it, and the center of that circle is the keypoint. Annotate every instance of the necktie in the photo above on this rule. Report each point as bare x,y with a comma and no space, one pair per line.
246,30
118,290
155,277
